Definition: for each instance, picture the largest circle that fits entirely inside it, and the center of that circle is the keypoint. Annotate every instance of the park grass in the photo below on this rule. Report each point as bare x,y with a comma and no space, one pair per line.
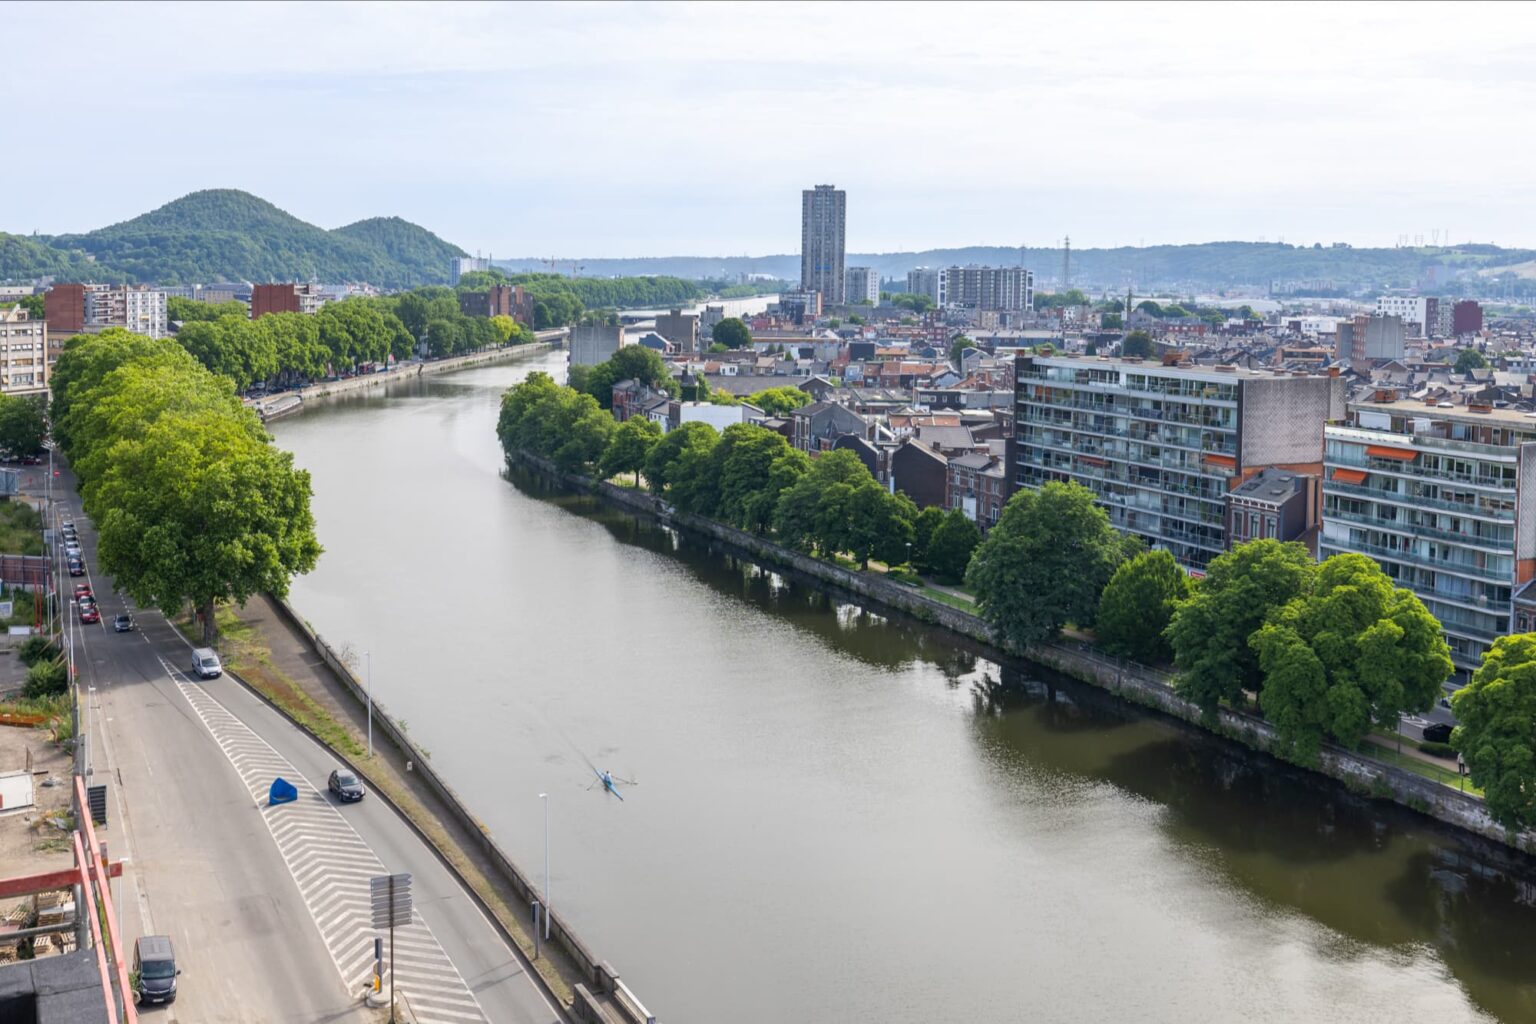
1445,776
21,529
950,599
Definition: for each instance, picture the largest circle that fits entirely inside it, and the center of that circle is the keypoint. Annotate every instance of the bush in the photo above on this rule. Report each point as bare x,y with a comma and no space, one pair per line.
35,649
1438,749
45,679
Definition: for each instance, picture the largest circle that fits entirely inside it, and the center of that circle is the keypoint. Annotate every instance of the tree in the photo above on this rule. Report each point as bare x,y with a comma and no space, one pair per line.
958,346
745,457
1497,731
1137,344
923,526
184,311
631,362
34,305
732,332
1137,605
658,464
780,401
629,447
879,524
1044,564
22,426
443,336
1209,631
1352,651
951,545
1111,321
1470,359
798,513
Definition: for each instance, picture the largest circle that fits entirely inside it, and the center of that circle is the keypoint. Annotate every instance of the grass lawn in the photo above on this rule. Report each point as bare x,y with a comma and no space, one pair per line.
950,599
20,529
1444,776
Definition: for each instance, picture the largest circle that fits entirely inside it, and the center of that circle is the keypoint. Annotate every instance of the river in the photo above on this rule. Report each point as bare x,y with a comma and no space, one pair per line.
842,818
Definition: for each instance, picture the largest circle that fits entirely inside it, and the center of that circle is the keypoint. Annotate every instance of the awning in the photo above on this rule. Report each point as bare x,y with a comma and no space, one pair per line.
1349,476
1381,451
1230,461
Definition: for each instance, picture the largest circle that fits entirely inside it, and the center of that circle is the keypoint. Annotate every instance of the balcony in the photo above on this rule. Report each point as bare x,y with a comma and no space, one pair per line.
1460,567
1498,545
1416,501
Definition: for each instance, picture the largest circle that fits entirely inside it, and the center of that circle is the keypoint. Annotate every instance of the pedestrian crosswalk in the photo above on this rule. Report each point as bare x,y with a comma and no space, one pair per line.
331,864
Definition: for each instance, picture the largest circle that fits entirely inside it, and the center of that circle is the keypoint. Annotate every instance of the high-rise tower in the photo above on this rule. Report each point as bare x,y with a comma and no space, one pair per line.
822,217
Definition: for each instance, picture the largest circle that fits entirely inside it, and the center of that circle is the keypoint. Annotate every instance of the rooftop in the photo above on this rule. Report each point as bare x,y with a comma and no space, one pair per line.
1221,372
1522,418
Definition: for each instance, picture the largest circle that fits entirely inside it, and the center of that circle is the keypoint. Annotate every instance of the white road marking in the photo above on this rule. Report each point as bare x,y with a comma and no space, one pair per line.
330,863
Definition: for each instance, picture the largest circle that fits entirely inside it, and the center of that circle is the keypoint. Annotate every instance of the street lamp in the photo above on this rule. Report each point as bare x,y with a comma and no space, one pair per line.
368,657
545,797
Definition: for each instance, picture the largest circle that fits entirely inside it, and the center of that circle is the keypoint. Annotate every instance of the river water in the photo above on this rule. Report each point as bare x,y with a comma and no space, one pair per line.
843,818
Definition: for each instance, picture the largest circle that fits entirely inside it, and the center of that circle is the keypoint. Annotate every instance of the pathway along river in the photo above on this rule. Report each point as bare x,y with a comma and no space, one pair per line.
841,818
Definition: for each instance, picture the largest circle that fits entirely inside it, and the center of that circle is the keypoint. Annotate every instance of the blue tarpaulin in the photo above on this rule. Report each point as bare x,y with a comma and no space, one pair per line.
282,792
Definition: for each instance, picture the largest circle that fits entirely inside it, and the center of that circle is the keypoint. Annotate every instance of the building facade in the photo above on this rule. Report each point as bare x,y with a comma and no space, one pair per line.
1419,311
1466,317
1002,288
862,284
681,329
462,265
286,298
1442,498
592,344
23,353
138,308
927,281
823,218
1161,446
64,309
1365,340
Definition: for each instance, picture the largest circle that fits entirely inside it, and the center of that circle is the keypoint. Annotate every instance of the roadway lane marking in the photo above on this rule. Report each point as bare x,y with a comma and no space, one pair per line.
320,846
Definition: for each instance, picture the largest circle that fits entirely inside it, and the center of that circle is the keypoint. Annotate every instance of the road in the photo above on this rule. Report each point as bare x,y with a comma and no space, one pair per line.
266,907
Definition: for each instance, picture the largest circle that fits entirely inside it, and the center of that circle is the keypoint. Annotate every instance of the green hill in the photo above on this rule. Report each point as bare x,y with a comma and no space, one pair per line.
229,235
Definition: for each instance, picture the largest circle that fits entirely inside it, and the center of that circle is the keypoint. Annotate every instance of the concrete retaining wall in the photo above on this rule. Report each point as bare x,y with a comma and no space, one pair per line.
599,976
1137,683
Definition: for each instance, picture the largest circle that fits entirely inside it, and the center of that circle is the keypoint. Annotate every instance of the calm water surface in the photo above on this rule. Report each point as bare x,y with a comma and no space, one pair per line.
843,818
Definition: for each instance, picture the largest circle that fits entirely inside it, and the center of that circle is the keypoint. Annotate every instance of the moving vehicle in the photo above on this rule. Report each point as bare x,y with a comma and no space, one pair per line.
89,614
205,663
345,785
76,567
123,624
154,967
1438,732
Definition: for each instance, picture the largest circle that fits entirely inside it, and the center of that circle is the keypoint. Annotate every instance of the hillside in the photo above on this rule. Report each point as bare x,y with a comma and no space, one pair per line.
229,235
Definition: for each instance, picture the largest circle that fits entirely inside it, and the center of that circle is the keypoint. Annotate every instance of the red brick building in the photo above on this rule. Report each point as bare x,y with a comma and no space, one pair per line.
1466,317
64,309
274,298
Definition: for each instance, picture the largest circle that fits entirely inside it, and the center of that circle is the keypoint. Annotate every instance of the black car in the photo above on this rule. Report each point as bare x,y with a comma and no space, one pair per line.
1438,732
345,785
76,568
123,624
154,970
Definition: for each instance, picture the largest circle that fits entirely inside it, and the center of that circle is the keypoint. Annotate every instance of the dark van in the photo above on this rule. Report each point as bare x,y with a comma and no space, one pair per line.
154,964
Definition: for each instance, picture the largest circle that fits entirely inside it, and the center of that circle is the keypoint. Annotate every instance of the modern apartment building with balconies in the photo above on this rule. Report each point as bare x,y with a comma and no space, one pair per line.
1162,446
1441,496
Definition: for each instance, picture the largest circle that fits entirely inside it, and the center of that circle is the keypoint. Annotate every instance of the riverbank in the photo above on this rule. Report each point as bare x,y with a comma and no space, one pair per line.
285,403
1148,687
276,654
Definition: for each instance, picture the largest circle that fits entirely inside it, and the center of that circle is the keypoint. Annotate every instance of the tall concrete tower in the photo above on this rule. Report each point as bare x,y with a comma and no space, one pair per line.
823,212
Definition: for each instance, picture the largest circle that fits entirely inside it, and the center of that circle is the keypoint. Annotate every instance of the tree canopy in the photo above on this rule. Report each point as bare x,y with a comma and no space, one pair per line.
1497,731
1470,359
780,401
1137,605
950,546
1138,344
732,332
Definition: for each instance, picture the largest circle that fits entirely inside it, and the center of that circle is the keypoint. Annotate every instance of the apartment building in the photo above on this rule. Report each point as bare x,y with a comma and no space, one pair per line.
287,298
927,281
1004,288
23,352
862,284
681,329
1420,311
823,223
1442,498
138,308
462,265
1163,446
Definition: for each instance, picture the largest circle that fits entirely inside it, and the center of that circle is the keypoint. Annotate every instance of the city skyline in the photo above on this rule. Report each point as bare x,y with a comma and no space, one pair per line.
1116,125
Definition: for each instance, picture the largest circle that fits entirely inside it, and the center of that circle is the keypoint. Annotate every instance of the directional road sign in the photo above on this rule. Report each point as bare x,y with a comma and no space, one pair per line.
390,897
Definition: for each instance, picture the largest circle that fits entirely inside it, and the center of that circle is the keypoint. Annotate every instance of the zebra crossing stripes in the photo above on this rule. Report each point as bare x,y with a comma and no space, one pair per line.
331,864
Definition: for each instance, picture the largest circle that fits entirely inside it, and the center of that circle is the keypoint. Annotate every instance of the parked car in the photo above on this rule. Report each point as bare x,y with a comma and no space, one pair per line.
154,969
83,590
123,624
205,663
72,550
76,567
1438,732
345,785
88,614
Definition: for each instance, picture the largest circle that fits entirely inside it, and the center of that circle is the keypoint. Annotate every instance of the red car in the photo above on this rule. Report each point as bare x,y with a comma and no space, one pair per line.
82,590
90,614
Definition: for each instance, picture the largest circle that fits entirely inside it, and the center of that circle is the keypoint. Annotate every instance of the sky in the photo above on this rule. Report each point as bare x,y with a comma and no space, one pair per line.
586,130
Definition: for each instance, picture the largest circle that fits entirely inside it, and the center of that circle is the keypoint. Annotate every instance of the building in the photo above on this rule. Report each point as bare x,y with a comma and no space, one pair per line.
498,300
592,344
1161,446
72,308
823,215
1005,288
1365,340
23,352
64,309
1443,499
1417,310
862,284
976,483
1274,504
1466,318
712,315
800,306
921,473
681,329
927,281
818,426
286,298
462,265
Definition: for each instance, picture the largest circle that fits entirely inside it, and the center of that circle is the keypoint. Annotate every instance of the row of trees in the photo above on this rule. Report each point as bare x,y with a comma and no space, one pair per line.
192,501
746,476
558,300
1330,650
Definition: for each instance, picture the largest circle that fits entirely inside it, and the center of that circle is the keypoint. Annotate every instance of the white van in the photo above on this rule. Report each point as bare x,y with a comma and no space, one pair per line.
205,663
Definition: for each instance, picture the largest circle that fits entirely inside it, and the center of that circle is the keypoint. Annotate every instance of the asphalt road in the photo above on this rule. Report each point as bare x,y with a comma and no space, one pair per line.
210,866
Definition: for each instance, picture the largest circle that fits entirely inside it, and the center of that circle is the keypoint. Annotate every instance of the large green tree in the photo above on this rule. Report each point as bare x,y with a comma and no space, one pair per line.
948,552
1497,731
1354,650
1470,359
1137,605
1044,564
629,447
1138,344
658,465
798,514
631,362
923,528
780,401
22,425
732,332
1209,631
880,524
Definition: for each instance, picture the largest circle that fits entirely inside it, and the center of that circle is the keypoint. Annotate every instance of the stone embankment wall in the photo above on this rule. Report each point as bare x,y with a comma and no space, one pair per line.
618,1005
1137,683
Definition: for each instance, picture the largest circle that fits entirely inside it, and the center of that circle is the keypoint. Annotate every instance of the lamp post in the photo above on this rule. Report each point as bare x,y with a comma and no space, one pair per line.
545,797
368,658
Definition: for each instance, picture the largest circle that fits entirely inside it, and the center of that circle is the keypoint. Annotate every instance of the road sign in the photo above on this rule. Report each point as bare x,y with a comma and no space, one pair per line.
390,896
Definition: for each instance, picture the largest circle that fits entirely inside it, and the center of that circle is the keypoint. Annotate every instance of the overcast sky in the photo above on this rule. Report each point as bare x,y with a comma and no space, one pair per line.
676,129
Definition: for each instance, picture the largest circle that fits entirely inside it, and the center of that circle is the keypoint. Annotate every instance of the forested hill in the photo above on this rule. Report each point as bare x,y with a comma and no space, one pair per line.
228,235
1204,265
